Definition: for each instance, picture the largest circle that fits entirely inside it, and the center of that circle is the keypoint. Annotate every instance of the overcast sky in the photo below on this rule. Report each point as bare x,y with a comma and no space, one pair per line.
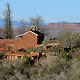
50,10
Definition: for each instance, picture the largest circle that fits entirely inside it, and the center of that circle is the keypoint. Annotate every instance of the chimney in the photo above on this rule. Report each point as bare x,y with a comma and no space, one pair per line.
29,29
37,29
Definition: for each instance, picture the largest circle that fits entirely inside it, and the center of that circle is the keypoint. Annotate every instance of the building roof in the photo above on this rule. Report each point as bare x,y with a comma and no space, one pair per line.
37,33
2,37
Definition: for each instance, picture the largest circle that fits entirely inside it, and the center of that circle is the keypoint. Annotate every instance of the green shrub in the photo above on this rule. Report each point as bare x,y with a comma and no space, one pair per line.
50,68
1,54
75,70
29,50
45,42
65,55
35,49
27,60
39,49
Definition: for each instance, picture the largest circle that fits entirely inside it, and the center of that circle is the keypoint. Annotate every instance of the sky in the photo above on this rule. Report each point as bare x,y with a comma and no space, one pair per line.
49,10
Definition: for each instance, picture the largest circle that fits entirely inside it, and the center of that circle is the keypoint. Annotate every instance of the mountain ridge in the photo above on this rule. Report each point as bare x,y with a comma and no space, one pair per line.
16,24
61,24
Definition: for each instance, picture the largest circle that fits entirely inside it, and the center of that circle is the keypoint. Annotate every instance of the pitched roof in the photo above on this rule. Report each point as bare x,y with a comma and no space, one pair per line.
2,37
34,32
38,33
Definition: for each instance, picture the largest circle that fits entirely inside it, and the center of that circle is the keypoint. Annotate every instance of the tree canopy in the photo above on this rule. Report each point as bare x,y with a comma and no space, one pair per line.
69,38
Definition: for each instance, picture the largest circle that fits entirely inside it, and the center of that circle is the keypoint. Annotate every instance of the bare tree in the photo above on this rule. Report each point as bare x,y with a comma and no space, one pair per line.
38,21
8,29
32,21
1,31
22,28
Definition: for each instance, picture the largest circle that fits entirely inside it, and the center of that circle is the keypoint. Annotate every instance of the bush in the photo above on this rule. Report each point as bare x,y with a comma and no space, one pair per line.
29,50
1,55
65,55
75,70
39,49
45,42
27,60
50,68
14,70
35,49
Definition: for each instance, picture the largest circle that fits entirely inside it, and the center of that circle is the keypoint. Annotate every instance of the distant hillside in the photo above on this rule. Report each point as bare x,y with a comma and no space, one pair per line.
16,24
55,28
63,25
